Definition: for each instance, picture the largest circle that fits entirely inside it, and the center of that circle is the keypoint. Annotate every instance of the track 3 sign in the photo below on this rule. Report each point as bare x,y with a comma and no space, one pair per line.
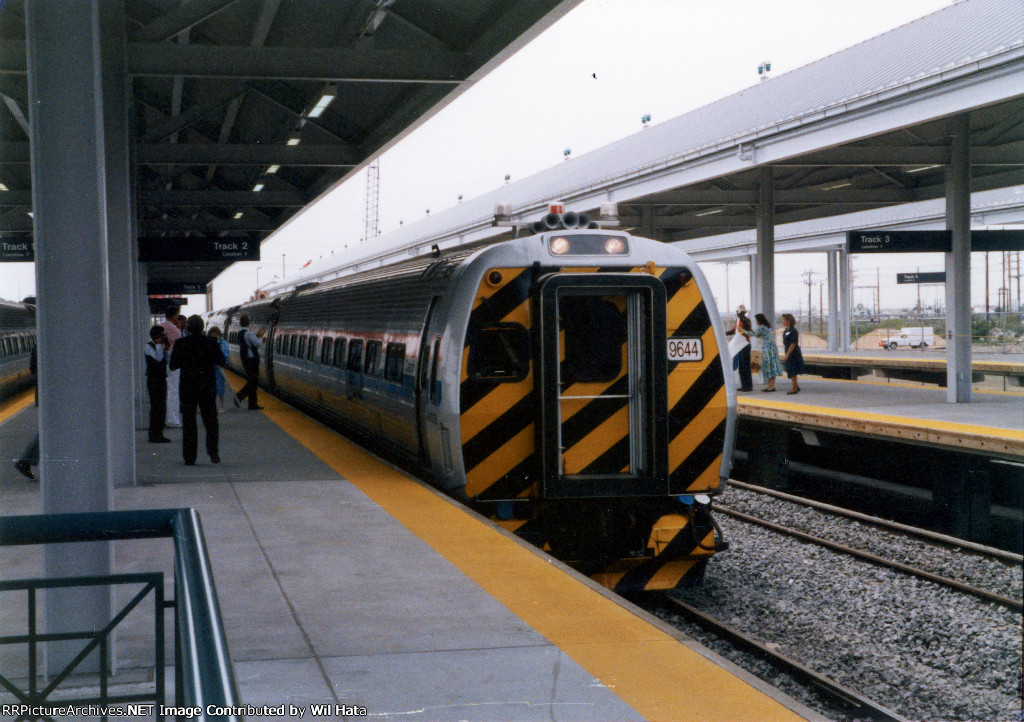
899,241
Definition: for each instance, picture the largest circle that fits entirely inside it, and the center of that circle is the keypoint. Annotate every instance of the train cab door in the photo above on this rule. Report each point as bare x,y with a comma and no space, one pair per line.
425,412
603,385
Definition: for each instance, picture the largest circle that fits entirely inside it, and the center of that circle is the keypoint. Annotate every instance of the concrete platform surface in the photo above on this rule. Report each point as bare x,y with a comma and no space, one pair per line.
343,582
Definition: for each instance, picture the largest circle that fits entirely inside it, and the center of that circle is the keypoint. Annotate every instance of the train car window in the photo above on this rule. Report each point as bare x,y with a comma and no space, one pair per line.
595,331
424,365
355,355
293,342
302,347
277,345
372,356
500,353
339,353
325,350
311,350
394,362
435,389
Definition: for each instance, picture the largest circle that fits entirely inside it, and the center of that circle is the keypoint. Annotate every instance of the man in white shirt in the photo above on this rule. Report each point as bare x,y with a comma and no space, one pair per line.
249,347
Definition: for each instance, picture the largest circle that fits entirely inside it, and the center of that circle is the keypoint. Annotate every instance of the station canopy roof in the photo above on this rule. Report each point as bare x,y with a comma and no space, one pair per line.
229,141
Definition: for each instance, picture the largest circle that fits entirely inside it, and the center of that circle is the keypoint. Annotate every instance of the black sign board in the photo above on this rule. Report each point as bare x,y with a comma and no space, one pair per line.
171,288
162,303
899,241
1010,240
15,250
934,277
198,249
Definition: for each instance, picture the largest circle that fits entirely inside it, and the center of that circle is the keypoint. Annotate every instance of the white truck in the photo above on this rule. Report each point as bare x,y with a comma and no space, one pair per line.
912,336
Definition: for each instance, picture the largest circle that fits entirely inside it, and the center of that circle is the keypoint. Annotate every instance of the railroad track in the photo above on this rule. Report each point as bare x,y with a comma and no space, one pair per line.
859,705
987,595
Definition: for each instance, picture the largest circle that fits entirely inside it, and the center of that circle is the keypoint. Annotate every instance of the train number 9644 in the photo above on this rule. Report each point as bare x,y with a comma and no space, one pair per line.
685,349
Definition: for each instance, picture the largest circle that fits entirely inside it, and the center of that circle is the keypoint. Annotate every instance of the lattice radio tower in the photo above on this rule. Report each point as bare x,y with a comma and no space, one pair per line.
372,199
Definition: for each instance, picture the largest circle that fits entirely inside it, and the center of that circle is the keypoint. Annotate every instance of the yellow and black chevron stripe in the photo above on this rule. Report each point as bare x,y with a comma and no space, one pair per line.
697,407
497,418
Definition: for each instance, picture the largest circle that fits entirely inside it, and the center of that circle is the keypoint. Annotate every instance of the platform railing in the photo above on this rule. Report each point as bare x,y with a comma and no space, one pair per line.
204,677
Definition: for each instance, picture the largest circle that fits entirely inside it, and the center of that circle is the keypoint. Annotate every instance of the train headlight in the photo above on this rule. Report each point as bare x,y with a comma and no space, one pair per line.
614,246
560,245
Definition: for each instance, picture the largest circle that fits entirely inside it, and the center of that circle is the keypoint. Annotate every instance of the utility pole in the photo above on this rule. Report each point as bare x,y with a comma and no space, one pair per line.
821,309
878,294
986,286
809,275
372,199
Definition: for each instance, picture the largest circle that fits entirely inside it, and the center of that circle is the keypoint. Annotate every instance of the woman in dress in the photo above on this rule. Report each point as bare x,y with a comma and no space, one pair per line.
770,365
792,356
215,335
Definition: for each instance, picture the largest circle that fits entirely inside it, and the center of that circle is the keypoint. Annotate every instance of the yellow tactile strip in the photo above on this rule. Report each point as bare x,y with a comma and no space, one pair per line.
1008,442
931,364
648,669
15,404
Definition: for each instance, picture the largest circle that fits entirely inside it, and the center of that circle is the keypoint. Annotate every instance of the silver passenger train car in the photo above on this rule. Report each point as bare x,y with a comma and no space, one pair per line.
17,339
570,385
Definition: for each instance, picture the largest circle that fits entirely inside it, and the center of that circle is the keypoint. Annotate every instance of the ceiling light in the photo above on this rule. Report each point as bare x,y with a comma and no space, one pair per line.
329,94
30,215
257,188
238,215
3,188
294,138
273,169
841,185
708,213
918,170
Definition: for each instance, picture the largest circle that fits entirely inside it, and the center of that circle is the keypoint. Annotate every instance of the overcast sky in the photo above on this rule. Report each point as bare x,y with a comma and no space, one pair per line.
582,84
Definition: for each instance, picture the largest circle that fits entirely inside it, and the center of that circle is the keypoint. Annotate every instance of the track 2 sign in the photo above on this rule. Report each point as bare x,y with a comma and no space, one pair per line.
685,349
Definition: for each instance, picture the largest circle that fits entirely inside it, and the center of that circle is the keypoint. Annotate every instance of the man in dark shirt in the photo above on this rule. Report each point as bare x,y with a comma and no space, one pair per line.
196,355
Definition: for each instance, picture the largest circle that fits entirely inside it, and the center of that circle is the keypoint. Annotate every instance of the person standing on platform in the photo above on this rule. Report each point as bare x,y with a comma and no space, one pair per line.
170,326
221,383
198,355
249,347
792,357
741,361
157,354
770,364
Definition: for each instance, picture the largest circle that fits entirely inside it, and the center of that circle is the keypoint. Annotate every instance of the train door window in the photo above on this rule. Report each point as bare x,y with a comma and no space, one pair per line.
311,349
435,389
500,352
355,355
394,362
325,350
339,353
301,353
293,342
372,358
595,332
424,369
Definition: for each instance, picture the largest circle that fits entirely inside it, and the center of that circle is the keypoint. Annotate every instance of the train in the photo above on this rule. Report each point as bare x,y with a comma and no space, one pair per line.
17,339
569,384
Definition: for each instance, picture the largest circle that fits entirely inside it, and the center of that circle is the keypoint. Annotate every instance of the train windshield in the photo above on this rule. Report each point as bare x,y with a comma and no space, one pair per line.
500,352
595,337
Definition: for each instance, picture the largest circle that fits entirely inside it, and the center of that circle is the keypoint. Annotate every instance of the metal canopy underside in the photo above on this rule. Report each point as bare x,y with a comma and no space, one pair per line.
218,87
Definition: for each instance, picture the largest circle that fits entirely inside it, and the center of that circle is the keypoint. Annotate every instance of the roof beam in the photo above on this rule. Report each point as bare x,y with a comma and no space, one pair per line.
19,115
279,63
206,224
254,154
195,113
220,199
877,155
187,16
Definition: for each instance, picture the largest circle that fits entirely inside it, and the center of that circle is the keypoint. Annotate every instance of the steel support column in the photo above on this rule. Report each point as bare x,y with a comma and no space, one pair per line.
121,258
755,287
845,300
764,301
70,228
958,264
834,333
647,227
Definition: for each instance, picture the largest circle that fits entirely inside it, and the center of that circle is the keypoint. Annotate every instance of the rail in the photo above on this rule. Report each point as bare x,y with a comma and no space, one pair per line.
203,673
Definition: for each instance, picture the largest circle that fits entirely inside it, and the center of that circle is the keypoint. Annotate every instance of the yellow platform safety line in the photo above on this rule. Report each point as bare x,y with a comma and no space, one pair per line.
16,404
920,385
946,433
610,642
996,367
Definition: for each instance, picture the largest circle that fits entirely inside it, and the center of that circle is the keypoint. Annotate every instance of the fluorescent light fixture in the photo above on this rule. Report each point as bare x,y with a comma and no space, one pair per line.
31,215
273,169
841,185
918,170
708,213
294,138
4,188
238,215
326,98
257,188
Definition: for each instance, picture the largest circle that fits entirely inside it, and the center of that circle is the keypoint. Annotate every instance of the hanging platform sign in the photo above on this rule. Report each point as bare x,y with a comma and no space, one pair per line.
17,251
170,250
899,241
1007,240
159,304
936,277
172,288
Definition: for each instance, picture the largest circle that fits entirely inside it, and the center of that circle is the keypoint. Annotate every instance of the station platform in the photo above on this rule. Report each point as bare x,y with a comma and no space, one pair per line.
342,581
993,424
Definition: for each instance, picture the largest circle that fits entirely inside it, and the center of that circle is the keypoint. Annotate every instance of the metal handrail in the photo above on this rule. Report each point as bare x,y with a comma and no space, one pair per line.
207,677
